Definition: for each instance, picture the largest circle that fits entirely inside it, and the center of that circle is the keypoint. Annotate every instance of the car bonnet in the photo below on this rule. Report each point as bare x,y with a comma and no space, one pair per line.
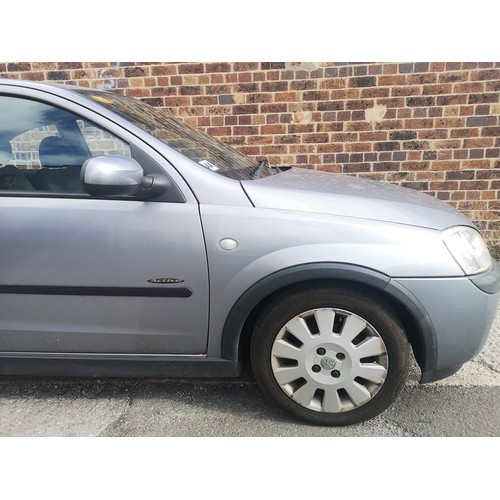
336,194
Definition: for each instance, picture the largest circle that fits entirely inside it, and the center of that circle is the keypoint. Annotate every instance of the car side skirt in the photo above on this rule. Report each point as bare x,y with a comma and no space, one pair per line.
96,366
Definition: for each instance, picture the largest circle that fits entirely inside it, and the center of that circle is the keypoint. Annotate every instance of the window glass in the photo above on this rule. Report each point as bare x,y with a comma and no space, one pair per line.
43,148
202,149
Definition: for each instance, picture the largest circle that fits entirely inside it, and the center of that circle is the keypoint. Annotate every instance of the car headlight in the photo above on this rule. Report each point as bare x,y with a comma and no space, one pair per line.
468,248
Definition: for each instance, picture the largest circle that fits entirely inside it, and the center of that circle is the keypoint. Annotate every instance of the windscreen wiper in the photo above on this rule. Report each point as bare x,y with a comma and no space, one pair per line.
255,174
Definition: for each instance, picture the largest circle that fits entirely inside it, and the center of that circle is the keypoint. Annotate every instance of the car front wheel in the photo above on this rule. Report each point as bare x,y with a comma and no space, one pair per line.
330,356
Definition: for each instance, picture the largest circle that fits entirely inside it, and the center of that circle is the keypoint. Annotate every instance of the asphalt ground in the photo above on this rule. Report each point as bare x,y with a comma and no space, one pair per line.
466,404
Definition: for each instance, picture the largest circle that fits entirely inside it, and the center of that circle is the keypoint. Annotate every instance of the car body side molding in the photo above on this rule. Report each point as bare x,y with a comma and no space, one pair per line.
100,291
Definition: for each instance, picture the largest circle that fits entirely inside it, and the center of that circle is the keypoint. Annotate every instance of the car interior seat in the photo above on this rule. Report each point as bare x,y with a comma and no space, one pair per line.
61,165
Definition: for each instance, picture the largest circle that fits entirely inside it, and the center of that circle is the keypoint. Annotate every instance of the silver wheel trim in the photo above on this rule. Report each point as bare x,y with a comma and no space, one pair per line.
329,360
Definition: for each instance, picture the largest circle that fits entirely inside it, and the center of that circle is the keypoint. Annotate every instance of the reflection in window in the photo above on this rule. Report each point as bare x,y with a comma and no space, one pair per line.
43,148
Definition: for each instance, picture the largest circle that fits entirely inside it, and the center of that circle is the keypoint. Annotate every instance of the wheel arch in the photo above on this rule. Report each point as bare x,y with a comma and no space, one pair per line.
416,322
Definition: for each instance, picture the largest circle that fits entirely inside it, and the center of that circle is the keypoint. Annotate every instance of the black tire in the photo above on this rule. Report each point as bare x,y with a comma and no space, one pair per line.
337,356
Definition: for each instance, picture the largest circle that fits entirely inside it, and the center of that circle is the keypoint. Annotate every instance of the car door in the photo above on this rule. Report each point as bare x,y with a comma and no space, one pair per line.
86,275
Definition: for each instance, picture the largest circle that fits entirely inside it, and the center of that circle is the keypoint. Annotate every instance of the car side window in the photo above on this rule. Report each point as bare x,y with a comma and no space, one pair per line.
43,147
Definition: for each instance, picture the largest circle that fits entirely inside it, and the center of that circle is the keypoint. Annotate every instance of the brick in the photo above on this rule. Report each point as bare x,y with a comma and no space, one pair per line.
460,174
226,99
390,124
351,168
218,131
478,142
274,86
358,147
391,80
436,89
482,98
385,166
433,134
439,66
491,131
375,69
421,67
483,110
387,146
331,106
58,75
245,130
492,86
315,138
244,119
390,68
447,144
190,90
300,128
22,66
259,98
360,70
406,68
476,153
492,74
481,121
493,153
373,136
247,87
446,165
459,76
421,79
163,70
245,66
405,91
315,95
191,68
468,88
420,101
464,132
375,92
449,122
134,72
304,85
34,75
245,109
204,100
418,123
366,81
332,83
218,89
359,104
402,135
451,100
274,108
415,145
217,67
473,185
69,65
272,65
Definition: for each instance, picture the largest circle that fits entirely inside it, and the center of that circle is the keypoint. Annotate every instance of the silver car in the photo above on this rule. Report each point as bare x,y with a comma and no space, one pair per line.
133,245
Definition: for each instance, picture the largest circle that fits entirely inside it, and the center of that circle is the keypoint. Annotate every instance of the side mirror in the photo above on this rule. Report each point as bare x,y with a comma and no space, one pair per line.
112,176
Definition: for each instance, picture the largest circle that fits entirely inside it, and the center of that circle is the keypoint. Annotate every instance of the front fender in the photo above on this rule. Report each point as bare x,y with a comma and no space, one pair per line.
393,292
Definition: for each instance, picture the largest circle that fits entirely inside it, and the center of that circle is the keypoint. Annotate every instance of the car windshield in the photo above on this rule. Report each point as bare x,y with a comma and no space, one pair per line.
201,148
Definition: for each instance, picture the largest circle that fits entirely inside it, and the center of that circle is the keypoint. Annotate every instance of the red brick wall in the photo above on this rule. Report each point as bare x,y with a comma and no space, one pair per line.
434,127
